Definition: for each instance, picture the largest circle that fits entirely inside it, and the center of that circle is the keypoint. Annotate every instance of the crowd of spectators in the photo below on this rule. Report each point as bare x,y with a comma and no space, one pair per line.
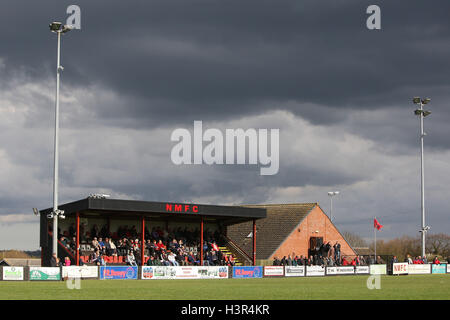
420,260
167,247
326,255
317,260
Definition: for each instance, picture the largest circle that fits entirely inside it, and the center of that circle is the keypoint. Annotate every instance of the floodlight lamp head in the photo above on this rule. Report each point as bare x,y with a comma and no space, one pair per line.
55,26
50,215
426,100
36,211
330,193
416,100
426,113
66,28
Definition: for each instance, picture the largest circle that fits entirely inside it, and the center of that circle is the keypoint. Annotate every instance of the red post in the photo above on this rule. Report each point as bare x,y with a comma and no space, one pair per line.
254,241
77,256
143,242
201,240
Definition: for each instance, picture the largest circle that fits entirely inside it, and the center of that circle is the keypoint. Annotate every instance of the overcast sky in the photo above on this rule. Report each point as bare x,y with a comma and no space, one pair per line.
340,95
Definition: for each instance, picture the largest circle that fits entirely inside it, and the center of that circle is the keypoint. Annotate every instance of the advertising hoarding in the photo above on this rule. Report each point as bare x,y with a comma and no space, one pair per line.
298,271
439,268
273,271
119,272
400,268
362,270
340,270
378,269
419,269
77,272
45,273
180,272
247,272
12,273
314,271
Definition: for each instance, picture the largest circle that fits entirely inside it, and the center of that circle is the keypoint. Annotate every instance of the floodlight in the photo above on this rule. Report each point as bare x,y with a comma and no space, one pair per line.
55,26
417,112
330,193
426,100
416,100
50,215
66,28
36,211
426,113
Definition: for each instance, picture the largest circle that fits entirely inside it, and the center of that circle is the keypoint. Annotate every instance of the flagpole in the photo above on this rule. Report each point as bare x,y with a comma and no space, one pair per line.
375,235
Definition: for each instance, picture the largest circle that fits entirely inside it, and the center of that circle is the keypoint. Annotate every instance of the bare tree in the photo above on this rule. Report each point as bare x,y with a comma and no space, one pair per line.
438,244
354,240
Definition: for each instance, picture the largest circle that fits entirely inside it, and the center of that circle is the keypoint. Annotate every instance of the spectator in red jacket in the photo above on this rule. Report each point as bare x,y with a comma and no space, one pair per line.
161,245
436,260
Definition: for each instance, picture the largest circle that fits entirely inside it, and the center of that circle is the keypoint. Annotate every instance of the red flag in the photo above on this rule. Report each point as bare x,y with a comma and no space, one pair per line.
376,224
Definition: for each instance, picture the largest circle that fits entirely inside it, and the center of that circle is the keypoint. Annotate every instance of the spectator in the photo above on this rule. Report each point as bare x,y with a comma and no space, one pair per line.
131,259
67,261
276,262
53,260
408,259
436,260
171,257
379,260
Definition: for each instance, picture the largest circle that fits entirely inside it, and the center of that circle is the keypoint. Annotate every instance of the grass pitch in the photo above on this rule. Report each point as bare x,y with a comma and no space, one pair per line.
422,287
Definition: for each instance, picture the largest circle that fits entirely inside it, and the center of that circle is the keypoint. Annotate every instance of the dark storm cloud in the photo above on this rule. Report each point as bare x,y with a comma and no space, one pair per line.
176,61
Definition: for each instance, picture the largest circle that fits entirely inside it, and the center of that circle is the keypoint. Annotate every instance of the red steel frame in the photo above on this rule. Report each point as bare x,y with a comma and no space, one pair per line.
201,240
143,242
254,242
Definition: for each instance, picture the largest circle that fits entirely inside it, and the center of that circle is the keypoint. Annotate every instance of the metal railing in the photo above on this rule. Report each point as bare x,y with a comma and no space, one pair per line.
239,251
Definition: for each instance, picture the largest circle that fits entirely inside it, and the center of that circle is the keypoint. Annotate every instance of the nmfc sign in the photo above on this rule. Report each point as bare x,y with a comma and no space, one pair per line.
181,208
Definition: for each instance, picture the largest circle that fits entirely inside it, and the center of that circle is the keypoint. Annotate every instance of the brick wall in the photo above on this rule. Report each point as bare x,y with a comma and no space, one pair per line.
316,224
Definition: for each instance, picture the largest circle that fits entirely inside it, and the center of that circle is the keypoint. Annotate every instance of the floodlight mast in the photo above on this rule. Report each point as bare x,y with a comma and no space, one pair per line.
56,27
332,194
422,113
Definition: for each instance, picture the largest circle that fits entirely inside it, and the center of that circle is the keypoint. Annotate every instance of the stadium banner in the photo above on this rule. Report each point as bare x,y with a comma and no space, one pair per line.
181,272
378,269
119,272
247,272
400,268
12,273
439,268
314,271
45,273
273,271
419,269
298,271
362,270
80,272
339,270
448,267
214,272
